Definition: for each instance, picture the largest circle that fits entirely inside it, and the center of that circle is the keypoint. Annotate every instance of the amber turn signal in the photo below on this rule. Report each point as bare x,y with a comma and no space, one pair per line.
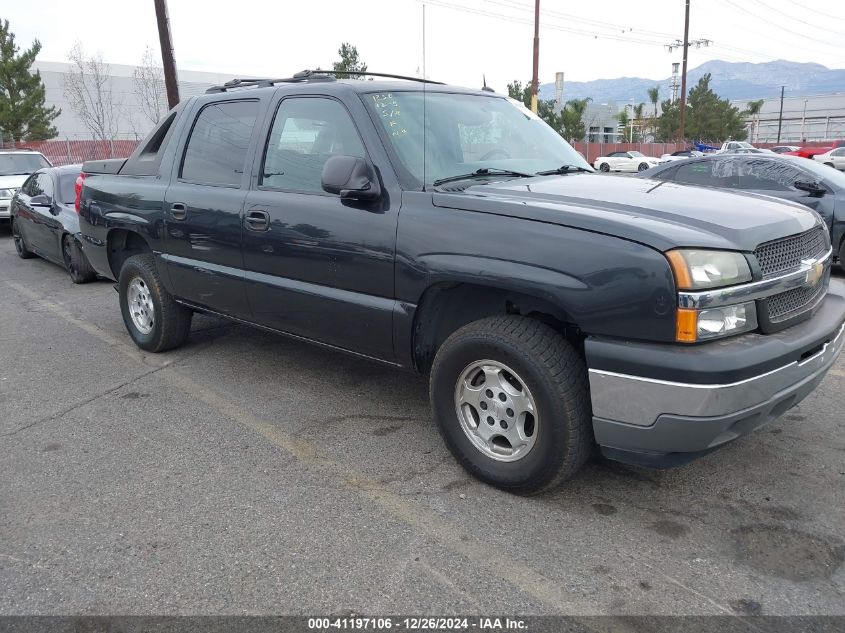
686,326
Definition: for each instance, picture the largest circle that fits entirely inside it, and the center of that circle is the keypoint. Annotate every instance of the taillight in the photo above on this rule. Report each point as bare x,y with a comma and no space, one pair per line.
77,187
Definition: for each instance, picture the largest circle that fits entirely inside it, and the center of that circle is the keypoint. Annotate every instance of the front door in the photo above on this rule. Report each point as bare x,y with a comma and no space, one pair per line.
317,266
203,207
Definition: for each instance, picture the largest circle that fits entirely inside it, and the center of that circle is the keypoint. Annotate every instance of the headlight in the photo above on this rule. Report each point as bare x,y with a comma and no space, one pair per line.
7,193
700,269
701,325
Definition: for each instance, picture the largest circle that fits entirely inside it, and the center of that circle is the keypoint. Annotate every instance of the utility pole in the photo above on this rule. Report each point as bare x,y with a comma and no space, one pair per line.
780,116
535,82
171,83
803,120
683,74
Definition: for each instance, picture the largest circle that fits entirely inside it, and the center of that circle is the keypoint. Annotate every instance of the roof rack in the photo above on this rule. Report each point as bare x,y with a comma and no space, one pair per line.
306,76
369,74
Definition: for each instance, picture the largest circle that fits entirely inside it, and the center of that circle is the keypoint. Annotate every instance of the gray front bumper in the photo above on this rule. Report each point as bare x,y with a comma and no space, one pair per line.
634,414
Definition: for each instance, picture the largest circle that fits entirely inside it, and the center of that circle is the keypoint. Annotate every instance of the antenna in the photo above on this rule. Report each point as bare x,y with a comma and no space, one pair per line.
424,156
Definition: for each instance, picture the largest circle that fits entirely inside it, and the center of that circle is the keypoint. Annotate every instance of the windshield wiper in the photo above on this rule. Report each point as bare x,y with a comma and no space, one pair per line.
564,169
484,171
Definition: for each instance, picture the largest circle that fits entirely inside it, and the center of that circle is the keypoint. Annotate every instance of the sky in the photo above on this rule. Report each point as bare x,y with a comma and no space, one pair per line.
464,39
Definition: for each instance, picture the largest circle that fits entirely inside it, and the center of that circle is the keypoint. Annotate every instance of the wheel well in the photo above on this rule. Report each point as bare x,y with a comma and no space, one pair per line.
445,308
122,245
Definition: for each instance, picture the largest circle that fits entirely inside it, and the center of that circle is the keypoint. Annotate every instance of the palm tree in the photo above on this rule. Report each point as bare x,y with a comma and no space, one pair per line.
654,97
752,109
638,117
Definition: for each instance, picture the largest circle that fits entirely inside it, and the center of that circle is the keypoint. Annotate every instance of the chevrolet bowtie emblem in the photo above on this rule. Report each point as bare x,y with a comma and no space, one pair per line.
816,271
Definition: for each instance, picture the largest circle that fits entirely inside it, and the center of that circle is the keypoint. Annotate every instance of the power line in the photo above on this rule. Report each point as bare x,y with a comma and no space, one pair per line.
795,19
791,31
554,27
574,18
817,12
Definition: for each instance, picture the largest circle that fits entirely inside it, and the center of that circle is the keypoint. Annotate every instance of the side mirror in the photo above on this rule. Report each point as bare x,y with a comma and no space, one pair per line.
810,186
41,200
351,177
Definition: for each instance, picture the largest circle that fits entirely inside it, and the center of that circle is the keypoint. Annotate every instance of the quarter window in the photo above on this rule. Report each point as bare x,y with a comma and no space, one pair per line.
305,133
217,148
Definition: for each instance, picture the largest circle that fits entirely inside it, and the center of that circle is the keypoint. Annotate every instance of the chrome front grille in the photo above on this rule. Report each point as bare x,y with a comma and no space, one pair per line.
785,255
784,306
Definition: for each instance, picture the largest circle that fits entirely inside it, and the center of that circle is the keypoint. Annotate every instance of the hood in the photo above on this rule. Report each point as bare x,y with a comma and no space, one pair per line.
12,182
661,214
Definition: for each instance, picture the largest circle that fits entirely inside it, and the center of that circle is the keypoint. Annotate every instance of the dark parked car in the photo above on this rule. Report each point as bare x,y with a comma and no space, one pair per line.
45,222
453,233
810,183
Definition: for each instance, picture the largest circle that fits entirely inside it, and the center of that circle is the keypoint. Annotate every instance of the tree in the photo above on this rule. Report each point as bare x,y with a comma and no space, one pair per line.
752,109
349,61
23,114
624,120
150,89
638,119
88,89
669,121
572,117
545,108
710,117
654,97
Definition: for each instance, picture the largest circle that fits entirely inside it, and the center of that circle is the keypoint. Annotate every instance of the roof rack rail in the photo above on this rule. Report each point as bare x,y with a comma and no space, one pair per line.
307,76
369,74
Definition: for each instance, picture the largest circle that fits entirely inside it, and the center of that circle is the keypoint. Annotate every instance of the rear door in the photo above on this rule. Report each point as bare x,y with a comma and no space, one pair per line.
203,206
318,266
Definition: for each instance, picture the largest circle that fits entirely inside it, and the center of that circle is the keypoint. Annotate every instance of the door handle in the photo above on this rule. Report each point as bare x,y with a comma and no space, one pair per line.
178,211
258,220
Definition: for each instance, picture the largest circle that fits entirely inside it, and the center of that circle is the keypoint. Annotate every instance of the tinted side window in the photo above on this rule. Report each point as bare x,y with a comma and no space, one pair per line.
707,174
45,185
767,175
217,147
30,185
305,133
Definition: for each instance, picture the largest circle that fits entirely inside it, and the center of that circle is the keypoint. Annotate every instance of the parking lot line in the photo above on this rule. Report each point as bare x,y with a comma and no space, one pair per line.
422,519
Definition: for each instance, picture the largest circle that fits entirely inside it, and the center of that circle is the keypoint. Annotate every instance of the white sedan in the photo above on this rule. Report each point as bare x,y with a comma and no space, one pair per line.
625,161
834,158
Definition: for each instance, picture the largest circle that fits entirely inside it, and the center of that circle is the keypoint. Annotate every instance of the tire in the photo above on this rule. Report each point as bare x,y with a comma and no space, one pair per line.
159,323
604,167
20,242
549,371
76,264
642,166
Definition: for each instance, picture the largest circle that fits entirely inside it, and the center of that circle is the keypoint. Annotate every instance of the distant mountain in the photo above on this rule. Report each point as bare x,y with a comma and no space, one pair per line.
730,80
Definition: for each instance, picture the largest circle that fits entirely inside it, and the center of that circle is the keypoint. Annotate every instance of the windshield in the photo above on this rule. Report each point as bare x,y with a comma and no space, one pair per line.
21,163
464,133
636,154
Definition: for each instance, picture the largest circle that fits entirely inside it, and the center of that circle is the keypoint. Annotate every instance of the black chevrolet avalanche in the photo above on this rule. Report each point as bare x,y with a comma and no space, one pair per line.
452,233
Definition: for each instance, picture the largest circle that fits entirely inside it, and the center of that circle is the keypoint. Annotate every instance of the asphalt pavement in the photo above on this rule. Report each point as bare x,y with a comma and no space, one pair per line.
247,473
